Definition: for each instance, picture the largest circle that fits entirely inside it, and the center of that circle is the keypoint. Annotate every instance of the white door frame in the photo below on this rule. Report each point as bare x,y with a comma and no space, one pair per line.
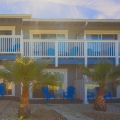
53,70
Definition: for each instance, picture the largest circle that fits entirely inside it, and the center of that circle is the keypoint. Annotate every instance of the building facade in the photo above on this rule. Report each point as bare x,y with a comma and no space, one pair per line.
68,42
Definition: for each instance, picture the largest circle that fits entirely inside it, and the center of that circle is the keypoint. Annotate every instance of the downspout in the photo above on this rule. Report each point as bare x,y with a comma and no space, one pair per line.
86,23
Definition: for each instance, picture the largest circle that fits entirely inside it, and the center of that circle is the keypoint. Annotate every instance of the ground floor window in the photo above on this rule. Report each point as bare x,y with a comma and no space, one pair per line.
8,89
108,88
58,91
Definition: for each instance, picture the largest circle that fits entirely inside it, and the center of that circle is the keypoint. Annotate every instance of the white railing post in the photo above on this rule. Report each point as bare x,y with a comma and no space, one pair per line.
85,77
21,43
56,53
116,53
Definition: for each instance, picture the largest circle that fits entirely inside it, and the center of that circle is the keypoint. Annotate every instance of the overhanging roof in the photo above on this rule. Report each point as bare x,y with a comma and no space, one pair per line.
72,20
23,16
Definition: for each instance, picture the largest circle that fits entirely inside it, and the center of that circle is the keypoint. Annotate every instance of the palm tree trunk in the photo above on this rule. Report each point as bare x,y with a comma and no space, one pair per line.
24,110
100,103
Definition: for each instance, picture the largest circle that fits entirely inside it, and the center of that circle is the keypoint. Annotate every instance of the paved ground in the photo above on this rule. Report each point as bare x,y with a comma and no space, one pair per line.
3,104
69,114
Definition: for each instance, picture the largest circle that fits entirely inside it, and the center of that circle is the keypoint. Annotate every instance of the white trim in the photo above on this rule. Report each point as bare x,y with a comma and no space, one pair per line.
55,70
13,89
8,28
48,32
73,20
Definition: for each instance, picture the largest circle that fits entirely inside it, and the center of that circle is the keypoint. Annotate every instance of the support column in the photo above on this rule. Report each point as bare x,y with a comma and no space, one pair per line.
56,53
85,77
117,63
116,53
21,43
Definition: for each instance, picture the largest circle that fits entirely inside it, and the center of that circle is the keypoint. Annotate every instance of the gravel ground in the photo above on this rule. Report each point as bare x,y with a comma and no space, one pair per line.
47,112
39,112
112,113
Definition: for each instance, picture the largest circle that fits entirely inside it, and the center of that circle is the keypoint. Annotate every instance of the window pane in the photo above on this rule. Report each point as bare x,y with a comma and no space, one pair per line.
109,36
7,88
36,36
61,36
93,37
52,36
5,32
44,36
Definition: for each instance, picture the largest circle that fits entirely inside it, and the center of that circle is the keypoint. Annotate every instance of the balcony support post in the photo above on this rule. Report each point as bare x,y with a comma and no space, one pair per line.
116,53
117,63
56,53
21,43
85,77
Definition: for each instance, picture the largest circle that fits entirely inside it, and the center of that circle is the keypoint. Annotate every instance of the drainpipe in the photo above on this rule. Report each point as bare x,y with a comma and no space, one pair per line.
86,23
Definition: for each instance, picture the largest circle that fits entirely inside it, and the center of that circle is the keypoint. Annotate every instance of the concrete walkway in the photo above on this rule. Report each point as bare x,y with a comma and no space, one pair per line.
69,114
3,104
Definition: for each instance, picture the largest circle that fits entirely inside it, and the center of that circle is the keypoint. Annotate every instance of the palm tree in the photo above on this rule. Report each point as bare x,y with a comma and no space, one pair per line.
27,71
101,73
115,75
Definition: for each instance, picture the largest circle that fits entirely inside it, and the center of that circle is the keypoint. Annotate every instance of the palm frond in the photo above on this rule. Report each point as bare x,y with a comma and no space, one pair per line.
100,72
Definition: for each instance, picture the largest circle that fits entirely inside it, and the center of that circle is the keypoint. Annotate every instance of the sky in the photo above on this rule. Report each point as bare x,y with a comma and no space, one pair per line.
82,9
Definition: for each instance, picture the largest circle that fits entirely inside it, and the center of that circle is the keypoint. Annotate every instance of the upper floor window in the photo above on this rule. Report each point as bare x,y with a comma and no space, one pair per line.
49,36
101,36
93,37
36,36
5,32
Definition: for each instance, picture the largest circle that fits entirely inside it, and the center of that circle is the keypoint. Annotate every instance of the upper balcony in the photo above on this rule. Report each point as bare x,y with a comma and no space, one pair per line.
59,48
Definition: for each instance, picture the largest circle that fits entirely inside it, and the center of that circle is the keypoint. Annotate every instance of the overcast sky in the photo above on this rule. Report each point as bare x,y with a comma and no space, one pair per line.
84,9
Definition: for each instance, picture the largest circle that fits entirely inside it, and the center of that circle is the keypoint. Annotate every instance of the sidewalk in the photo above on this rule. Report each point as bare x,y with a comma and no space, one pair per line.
69,114
3,104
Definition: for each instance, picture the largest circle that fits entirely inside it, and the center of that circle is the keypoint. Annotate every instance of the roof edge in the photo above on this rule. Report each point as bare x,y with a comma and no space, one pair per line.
72,20
24,16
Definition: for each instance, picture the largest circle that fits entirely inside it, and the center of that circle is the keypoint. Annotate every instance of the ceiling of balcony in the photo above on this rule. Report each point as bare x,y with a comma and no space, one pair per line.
58,23
10,20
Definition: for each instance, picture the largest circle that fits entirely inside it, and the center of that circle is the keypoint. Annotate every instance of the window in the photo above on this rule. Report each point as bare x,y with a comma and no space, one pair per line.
36,36
93,37
60,36
101,37
5,32
49,36
109,36
7,88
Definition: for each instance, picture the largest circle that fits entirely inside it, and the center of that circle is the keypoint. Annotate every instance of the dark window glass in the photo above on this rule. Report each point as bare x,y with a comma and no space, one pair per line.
109,36
44,36
36,36
52,36
5,32
93,37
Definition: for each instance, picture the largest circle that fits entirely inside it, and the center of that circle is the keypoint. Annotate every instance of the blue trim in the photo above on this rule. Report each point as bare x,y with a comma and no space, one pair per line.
63,61
80,61
7,57
95,61
70,61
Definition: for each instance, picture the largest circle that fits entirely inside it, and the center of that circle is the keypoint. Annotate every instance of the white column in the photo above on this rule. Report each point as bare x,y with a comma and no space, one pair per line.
56,53
21,43
117,62
85,77
116,53
30,91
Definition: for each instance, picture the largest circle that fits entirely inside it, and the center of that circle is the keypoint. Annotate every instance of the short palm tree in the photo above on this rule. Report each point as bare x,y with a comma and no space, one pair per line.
27,71
115,75
101,73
